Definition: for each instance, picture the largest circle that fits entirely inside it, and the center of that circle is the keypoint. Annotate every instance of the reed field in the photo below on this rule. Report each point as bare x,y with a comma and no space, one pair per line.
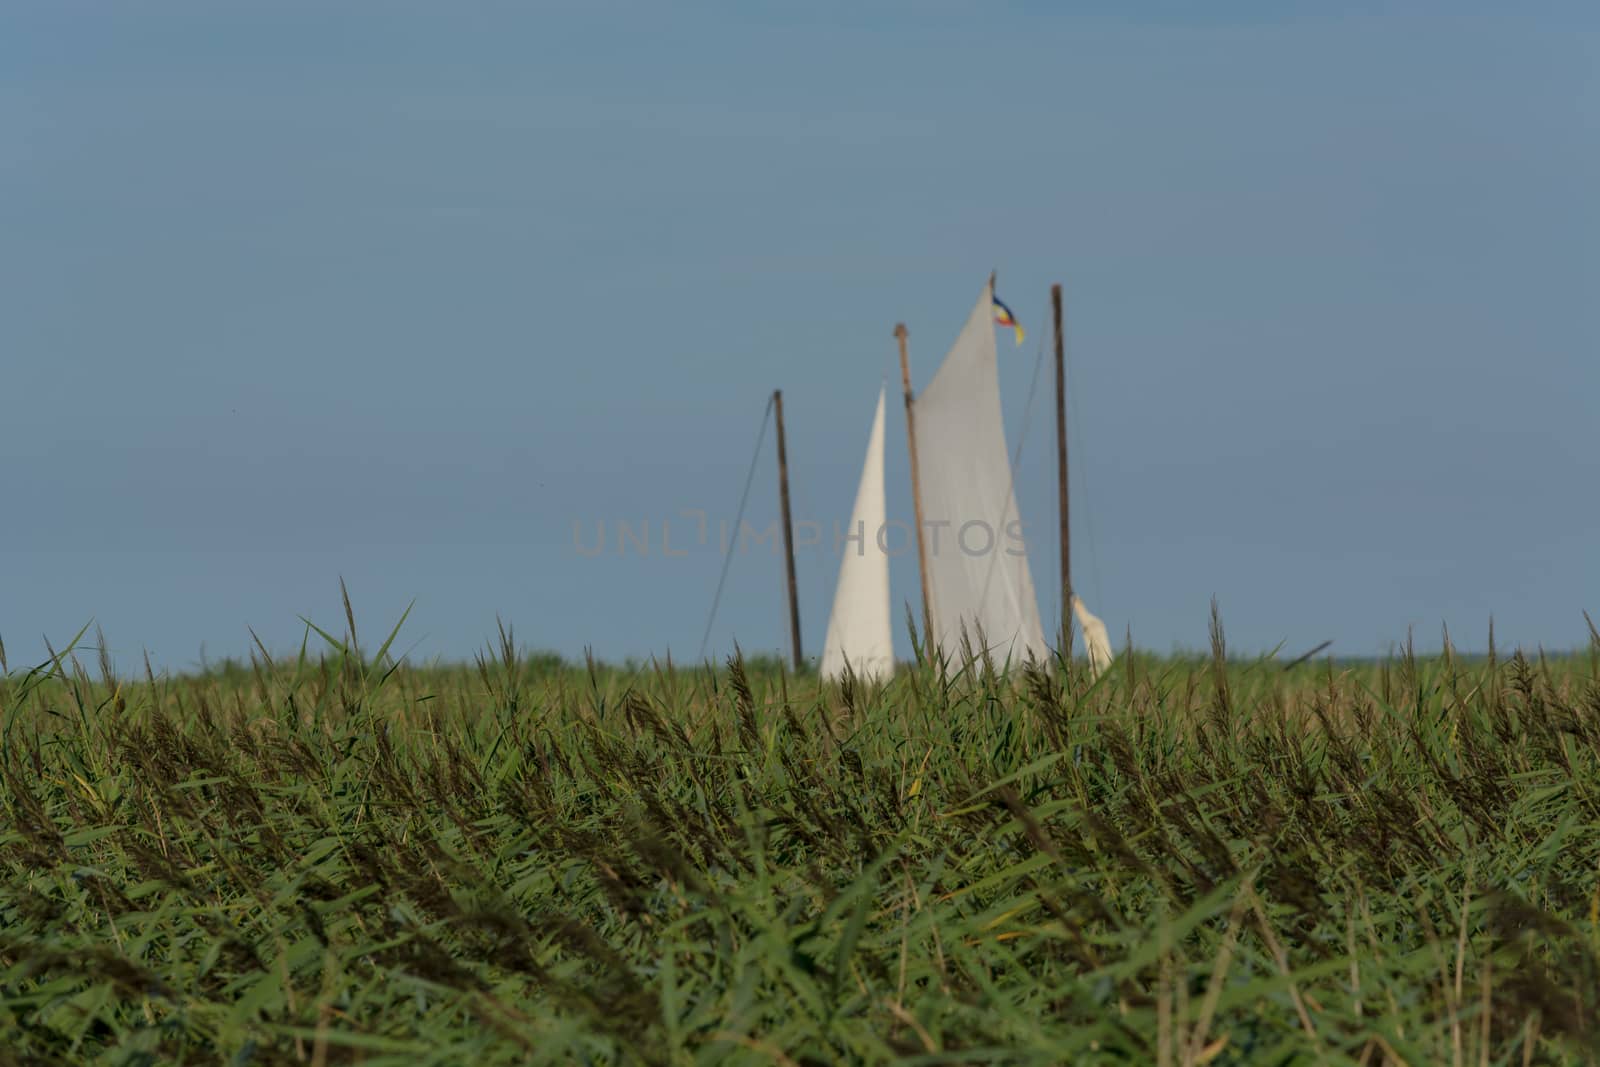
332,857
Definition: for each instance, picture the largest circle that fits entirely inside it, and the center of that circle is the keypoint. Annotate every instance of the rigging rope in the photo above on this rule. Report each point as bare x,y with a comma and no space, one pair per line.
1083,475
744,498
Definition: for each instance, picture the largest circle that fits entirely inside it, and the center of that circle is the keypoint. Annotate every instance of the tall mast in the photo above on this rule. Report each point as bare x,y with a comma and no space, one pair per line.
788,532
916,487
1061,470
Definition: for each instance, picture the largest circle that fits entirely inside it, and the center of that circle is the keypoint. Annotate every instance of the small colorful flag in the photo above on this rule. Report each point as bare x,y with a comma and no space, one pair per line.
1003,317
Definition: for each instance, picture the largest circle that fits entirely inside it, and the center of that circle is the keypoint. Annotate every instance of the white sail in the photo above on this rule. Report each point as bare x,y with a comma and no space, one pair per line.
858,629
977,562
1095,639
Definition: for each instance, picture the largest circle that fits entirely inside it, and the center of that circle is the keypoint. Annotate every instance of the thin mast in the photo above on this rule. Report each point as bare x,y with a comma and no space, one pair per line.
788,531
1061,470
916,487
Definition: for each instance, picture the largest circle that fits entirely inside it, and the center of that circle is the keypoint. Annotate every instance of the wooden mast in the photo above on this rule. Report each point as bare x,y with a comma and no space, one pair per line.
1061,471
916,487
788,532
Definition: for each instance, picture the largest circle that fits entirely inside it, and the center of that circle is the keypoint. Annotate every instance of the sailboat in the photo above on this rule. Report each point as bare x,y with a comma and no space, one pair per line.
977,589
976,584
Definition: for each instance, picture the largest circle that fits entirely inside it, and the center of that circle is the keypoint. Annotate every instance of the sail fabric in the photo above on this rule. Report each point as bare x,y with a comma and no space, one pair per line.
977,561
859,634
1094,638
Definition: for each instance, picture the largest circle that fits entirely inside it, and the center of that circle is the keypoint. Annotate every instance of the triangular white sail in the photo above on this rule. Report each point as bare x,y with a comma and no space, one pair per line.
858,630
977,561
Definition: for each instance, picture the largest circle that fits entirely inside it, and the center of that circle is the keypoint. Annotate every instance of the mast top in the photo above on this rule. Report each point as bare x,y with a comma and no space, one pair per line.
900,330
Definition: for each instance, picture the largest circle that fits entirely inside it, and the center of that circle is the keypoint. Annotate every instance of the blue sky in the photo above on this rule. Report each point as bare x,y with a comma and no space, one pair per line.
399,292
